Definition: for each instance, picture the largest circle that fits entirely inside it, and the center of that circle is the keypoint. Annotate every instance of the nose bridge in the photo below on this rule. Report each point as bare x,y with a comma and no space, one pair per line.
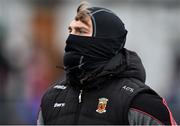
73,31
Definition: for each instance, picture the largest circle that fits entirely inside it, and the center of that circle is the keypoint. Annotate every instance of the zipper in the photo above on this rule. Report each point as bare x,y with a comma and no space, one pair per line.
80,96
78,107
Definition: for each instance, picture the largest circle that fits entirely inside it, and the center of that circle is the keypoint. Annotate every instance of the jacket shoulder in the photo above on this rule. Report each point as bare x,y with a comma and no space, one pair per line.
50,96
55,88
130,88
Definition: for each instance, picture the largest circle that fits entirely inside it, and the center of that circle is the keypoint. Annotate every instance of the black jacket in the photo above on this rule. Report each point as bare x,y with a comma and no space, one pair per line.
110,96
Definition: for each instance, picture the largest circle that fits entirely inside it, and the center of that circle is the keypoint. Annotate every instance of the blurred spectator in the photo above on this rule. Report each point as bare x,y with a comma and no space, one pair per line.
4,72
174,96
4,65
41,69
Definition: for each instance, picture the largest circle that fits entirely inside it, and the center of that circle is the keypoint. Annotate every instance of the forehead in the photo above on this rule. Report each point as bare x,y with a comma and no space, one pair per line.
78,23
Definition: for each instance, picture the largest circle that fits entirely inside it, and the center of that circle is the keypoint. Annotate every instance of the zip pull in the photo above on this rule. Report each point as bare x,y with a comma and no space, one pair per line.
80,98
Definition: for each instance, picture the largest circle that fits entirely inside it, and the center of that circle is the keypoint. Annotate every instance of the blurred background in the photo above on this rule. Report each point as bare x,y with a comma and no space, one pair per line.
32,40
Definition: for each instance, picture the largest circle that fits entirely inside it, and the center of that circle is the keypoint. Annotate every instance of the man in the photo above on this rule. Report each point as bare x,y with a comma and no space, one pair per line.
104,81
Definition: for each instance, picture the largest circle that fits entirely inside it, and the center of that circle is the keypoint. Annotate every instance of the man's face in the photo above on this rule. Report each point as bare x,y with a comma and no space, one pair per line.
77,27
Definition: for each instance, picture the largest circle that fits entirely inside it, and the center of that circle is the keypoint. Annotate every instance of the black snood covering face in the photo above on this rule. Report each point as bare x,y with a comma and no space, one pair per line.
85,54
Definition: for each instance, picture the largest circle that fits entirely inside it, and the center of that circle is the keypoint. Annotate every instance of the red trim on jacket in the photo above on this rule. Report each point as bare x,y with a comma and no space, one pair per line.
173,122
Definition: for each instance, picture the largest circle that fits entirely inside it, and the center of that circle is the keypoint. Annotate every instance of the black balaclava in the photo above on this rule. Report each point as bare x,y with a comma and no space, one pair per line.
106,23
86,54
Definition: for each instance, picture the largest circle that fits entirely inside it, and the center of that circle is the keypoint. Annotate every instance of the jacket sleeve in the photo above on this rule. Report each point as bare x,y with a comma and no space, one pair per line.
40,120
147,109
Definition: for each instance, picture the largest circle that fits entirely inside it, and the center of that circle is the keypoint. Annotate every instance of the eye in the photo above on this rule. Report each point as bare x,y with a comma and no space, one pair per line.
82,31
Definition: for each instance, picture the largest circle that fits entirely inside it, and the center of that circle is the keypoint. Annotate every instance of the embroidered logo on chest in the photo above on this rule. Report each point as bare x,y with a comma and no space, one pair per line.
101,108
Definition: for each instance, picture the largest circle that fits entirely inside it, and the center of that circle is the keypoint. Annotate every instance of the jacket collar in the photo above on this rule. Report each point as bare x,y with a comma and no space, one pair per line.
126,64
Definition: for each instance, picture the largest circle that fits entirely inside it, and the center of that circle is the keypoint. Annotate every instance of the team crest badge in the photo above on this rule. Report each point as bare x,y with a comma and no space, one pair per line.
102,105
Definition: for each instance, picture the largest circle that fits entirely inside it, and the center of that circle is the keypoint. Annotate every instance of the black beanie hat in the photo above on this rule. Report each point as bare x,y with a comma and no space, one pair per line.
106,24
